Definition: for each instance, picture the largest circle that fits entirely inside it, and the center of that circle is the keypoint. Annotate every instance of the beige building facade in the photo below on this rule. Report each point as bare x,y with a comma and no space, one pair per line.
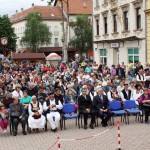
119,31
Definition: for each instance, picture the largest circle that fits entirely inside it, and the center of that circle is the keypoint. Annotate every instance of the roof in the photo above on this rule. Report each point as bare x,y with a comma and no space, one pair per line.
77,7
55,49
48,13
28,56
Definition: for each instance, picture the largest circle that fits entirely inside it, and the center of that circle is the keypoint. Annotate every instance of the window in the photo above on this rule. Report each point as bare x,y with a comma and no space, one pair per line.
115,23
97,3
56,32
138,18
97,26
56,42
125,14
105,25
133,55
103,56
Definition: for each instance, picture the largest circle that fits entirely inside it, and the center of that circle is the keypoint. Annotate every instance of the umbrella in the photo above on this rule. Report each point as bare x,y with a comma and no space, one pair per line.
53,56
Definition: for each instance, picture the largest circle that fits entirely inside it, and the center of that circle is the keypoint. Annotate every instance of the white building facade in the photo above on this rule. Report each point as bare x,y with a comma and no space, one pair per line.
52,17
119,31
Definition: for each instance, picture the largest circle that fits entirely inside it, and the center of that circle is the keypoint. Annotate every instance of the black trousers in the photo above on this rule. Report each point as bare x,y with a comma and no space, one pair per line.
16,121
87,114
147,111
105,116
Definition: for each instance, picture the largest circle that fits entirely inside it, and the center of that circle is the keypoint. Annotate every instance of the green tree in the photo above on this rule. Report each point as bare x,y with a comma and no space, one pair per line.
6,30
36,32
83,34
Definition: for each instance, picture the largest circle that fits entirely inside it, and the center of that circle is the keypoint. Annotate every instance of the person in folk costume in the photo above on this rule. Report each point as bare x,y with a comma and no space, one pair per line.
113,94
141,76
126,94
36,120
52,107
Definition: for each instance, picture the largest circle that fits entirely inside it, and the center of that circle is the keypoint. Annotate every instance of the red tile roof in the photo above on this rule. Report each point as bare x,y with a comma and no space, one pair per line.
15,56
77,7
48,13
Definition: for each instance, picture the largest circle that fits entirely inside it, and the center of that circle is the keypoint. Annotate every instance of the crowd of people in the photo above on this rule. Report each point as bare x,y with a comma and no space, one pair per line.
30,95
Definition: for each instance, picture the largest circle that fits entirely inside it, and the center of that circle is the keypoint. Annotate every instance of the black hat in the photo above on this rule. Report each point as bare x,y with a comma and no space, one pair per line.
51,93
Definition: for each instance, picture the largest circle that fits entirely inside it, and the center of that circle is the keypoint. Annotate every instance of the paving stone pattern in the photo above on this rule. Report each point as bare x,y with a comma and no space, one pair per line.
135,136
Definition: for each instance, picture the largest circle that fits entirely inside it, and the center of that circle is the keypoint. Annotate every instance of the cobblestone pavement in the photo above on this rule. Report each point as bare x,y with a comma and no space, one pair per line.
135,136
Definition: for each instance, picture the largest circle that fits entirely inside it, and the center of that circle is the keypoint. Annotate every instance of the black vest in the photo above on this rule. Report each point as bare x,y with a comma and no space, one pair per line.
127,97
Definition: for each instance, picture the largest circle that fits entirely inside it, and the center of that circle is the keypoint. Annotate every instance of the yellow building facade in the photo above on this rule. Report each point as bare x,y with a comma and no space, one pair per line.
148,29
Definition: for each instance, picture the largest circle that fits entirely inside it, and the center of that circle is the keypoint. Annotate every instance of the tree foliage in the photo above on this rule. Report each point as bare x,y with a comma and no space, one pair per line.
6,30
36,32
83,34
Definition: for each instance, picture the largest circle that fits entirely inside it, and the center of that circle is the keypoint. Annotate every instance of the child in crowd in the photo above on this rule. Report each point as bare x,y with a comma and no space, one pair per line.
3,118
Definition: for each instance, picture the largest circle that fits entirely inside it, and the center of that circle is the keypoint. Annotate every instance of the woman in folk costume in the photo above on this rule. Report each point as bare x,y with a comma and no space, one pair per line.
36,119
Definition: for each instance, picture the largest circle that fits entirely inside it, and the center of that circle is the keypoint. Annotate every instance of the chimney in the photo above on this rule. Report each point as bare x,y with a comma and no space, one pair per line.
16,11
22,9
32,4
84,3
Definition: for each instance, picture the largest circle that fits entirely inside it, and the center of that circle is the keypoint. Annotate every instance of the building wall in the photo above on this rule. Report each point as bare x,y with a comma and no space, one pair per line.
148,29
104,9
55,28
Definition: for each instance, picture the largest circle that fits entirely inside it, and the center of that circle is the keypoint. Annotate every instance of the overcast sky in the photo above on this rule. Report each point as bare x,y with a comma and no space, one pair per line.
10,6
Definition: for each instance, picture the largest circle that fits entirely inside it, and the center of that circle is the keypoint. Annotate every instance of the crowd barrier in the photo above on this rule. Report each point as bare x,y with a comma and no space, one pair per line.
58,141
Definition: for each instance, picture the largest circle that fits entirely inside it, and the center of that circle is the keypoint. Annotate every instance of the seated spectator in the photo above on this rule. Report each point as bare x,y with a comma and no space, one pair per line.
2,94
25,100
101,103
126,94
17,115
17,93
113,94
3,118
41,97
137,93
120,88
58,95
36,120
52,107
32,90
86,107
7,100
144,102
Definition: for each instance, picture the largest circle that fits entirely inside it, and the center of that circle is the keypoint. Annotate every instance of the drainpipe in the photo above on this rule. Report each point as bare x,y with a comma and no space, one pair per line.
146,31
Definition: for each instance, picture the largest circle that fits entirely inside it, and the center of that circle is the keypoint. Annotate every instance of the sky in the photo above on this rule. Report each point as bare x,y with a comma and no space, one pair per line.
10,6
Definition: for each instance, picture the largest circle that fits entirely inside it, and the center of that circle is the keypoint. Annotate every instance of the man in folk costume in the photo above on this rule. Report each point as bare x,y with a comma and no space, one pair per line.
113,94
141,76
52,107
126,94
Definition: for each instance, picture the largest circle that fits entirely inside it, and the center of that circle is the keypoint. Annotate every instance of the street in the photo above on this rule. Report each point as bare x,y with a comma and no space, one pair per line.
134,136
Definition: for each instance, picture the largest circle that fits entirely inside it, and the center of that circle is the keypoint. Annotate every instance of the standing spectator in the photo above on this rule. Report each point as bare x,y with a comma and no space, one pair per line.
120,72
113,71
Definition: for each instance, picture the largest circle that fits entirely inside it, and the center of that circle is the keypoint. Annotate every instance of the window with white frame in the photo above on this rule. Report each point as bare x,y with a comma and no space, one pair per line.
56,32
133,55
103,56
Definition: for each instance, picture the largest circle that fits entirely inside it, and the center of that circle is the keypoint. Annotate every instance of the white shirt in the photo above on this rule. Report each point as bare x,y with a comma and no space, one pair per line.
122,96
16,94
143,78
109,96
52,102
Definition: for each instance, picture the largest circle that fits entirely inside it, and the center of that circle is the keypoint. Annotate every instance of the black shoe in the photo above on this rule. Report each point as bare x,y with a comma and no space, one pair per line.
104,125
15,133
53,130
91,126
24,132
85,127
